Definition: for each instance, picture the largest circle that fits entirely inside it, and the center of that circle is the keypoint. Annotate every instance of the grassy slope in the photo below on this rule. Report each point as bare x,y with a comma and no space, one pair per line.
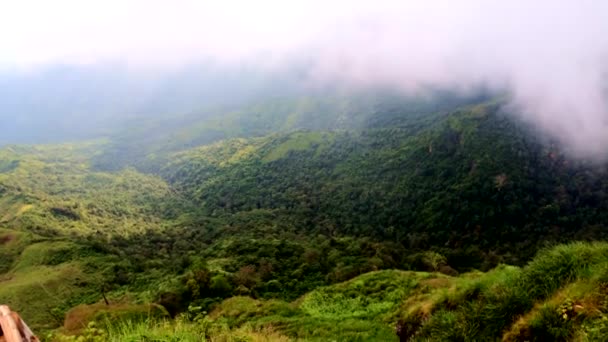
561,295
42,277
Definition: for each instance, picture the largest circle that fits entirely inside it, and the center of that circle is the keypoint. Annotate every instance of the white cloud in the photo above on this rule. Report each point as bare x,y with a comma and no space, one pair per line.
551,55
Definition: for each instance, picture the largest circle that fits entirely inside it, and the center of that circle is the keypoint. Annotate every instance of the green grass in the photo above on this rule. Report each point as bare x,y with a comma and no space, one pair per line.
12,243
50,253
165,330
362,309
366,296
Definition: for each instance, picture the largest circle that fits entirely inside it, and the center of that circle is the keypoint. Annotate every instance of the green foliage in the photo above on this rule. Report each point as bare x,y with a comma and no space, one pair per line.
90,334
186,331
53,190
360,309
50,253
507,303
220,285
366,296
471,185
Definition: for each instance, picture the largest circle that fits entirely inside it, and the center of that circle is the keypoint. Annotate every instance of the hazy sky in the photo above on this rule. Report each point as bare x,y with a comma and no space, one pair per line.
550,54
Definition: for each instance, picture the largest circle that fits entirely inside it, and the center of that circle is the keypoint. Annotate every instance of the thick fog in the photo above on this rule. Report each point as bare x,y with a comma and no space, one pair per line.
75,102
550,56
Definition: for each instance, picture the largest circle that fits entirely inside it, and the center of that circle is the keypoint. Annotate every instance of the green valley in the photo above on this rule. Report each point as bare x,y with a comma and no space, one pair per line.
328,218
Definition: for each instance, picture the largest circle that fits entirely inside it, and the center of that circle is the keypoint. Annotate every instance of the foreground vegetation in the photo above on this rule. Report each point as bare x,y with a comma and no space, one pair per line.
561,295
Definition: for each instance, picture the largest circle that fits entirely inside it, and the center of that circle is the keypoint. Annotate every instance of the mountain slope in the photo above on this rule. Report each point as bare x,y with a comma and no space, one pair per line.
473,184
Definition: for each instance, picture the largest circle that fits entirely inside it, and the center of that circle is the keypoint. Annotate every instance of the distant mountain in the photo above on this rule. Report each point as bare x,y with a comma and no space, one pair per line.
143,139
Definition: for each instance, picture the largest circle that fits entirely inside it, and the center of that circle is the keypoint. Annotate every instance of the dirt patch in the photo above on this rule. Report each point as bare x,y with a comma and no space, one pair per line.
5,239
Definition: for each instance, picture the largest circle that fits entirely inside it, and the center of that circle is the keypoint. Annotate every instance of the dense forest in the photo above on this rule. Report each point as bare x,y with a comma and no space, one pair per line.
284,216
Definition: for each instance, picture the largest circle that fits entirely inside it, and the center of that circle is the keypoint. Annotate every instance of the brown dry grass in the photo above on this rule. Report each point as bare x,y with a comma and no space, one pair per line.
79,317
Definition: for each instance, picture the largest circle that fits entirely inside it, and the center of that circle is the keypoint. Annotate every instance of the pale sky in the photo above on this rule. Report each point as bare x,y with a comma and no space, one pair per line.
154,32
157,32
550,54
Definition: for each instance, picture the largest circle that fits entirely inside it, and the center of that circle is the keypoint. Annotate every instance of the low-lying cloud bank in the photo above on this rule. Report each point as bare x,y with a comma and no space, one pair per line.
551,56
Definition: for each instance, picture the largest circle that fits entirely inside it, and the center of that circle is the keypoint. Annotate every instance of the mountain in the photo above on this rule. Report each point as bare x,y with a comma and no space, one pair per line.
270,214
469,180
142,140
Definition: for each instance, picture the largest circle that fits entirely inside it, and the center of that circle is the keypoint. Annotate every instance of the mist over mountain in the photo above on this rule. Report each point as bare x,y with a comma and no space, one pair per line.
66,103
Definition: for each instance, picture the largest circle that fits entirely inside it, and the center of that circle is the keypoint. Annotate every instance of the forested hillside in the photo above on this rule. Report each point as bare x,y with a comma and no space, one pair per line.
471,182
275,200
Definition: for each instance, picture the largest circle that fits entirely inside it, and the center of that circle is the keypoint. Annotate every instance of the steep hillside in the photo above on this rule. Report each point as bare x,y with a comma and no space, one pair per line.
472,183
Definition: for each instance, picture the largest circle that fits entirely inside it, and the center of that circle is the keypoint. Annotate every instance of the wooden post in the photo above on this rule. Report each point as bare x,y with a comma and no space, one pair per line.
13,327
